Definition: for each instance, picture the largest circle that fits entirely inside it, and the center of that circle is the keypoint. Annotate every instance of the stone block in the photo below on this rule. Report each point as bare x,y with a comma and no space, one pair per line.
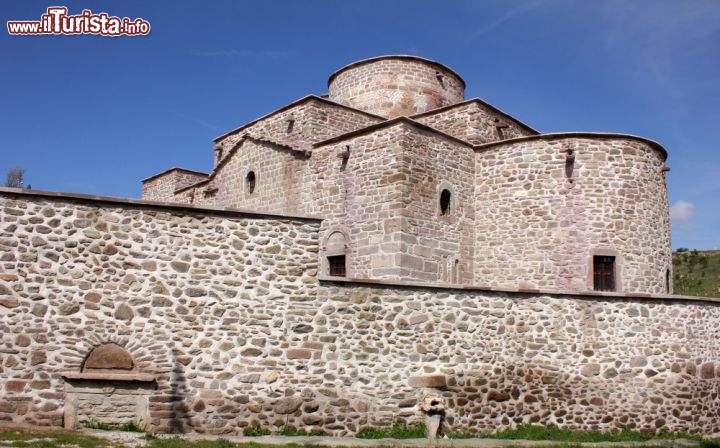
287,405
416,319
15,386
707,371
299,353
9,301
437,381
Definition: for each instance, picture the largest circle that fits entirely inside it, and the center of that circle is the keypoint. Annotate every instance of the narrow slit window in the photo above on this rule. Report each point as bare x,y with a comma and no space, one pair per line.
569,165
604,273
336,265
250,182
445,202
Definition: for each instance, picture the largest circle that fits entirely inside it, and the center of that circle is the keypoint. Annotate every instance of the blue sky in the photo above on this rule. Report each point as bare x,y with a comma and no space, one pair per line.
93,114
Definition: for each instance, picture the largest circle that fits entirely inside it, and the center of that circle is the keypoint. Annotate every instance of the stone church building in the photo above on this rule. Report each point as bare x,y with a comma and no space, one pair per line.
414,182
361,259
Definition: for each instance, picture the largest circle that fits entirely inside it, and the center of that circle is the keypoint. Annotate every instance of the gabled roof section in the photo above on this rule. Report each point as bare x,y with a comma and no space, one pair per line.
387,124
483,105
303,100
170,170
235,148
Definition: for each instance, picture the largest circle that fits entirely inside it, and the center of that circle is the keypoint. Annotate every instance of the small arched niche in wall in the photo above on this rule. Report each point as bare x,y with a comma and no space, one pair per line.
108,357
108,390
335,253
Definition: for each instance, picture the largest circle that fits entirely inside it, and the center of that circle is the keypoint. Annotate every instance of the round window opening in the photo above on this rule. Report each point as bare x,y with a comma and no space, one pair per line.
445,197
250,182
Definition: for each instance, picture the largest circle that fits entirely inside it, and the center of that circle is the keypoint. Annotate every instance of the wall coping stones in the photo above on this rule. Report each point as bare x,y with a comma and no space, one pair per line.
140,203
562,135
102,376
590,295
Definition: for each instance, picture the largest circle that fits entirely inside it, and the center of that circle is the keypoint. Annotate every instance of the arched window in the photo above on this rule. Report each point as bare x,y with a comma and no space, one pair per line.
250,182
445,202
336,254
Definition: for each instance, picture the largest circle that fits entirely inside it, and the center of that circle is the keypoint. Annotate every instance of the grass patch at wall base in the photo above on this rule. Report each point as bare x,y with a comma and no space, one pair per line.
397,431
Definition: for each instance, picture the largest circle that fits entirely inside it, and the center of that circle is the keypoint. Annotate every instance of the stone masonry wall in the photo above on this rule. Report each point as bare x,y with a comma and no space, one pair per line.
436,247
396,86
473,123
278,172
203,301
362,195
225,311
307,122
162,187
504,358
543,216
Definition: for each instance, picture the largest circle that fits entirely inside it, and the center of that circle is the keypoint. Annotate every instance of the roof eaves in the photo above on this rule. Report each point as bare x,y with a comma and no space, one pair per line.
389,123
480,102
560,135
305,99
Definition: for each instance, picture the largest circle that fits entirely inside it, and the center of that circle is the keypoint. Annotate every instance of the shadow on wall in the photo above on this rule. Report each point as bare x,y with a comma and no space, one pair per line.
178,392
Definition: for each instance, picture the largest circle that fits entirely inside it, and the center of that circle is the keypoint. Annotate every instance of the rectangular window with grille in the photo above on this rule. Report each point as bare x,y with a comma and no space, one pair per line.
604,273
336,265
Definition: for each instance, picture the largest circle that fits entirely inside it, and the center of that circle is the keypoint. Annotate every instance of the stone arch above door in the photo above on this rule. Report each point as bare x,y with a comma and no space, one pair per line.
108,357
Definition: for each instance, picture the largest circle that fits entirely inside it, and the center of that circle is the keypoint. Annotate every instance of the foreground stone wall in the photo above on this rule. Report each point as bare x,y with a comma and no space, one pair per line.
228,326
201,300
583,362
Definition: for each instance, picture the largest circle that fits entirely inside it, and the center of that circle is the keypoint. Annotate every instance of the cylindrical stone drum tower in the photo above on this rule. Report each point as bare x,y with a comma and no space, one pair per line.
393,86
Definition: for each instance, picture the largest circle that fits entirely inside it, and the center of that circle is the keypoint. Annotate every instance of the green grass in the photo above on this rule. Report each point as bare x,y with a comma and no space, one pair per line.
532,432
181,443
51,440
696,273
256,431
219,443
289,431
127,427
536,432
398,431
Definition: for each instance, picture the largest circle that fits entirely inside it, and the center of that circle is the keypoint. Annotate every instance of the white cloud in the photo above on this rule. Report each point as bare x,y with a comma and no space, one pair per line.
681,211
511,14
